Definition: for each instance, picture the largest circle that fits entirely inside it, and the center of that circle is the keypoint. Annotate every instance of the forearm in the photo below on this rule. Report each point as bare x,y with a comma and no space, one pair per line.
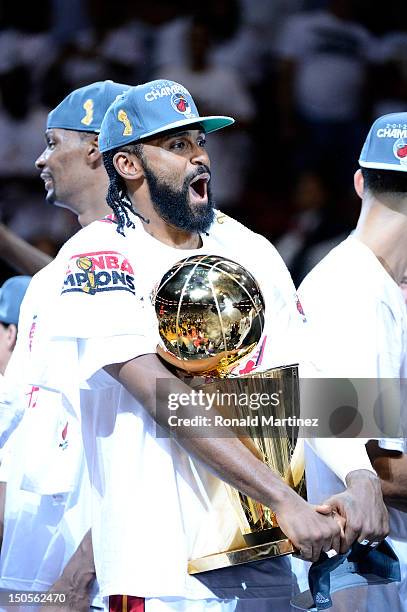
226,455
20,254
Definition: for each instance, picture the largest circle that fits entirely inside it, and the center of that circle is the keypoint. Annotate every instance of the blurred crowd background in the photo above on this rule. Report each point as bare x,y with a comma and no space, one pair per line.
303,78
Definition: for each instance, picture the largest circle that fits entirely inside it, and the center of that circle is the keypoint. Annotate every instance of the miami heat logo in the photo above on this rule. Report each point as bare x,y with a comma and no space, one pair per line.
88,106
181,104
400,150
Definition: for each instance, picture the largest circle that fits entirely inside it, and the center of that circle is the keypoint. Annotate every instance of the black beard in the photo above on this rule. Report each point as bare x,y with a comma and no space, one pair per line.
173,206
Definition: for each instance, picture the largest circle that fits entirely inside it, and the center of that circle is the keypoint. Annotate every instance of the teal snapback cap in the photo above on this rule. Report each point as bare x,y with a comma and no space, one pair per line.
385,147
149,109
84,108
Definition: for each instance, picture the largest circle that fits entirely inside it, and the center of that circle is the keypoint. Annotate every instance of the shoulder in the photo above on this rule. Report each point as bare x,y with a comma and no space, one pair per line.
225,227
252,246
343,286
96,259
95,241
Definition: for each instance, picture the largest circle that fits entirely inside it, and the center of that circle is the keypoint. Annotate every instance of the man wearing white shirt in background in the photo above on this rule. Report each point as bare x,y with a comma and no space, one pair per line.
358,319
47,511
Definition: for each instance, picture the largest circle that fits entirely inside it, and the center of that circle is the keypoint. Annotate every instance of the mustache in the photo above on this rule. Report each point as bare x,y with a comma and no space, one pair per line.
201,170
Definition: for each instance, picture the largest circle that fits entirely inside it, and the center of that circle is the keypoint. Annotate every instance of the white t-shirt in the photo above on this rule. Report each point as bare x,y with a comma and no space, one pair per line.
358,321
242,51
12,403
48,509
331,56
150,498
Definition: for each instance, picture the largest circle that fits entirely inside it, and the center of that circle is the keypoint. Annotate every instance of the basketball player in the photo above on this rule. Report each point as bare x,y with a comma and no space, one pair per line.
357,284
148,492
47,511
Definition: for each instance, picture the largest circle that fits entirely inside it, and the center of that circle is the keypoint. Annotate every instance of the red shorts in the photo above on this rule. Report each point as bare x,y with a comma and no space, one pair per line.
126,603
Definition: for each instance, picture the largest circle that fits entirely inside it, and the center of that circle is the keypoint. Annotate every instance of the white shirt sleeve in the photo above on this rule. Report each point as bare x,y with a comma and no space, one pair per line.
345,343
98,315
342,456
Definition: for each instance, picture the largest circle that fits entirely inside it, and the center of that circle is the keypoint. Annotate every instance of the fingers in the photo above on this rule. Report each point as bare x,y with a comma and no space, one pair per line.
329,540
305,553
311,531
350,535
341,521
336,543
324,508
375,529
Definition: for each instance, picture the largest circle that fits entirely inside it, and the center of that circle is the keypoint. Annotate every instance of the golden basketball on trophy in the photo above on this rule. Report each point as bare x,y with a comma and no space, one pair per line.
210,312
211,315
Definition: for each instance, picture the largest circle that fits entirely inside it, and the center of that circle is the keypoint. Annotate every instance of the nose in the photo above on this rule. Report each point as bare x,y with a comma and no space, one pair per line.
200,156
40,161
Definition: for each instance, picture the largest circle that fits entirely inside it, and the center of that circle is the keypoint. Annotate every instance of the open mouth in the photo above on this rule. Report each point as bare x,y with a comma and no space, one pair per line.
198,188
47,178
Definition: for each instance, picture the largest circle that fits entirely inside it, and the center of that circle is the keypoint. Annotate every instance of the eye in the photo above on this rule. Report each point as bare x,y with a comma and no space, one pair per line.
178,145
50,144
202,142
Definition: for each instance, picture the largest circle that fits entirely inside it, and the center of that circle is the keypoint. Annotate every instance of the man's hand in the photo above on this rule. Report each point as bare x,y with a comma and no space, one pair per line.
304,527
362,507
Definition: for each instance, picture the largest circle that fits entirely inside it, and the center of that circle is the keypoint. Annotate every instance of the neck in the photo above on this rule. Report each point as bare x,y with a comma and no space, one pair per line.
161,230
383,229
4,364
97,210
93,206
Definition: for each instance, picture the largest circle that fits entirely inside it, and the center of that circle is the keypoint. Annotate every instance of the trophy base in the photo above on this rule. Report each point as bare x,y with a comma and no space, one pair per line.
241,555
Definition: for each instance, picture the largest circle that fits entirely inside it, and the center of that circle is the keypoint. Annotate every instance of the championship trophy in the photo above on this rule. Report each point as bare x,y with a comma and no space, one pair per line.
211,312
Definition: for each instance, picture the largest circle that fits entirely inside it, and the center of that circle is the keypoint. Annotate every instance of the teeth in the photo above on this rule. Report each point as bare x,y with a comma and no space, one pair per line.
200,177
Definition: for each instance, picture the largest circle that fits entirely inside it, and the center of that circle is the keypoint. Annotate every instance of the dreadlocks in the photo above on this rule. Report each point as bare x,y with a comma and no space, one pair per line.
117,197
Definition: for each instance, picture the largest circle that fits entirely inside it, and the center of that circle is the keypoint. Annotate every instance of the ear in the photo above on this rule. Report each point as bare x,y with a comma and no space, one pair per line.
11,336
128,165
359,183
93,155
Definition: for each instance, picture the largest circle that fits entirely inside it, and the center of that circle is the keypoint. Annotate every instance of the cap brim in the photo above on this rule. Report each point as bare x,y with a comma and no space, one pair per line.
210,124
57,125
382,166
